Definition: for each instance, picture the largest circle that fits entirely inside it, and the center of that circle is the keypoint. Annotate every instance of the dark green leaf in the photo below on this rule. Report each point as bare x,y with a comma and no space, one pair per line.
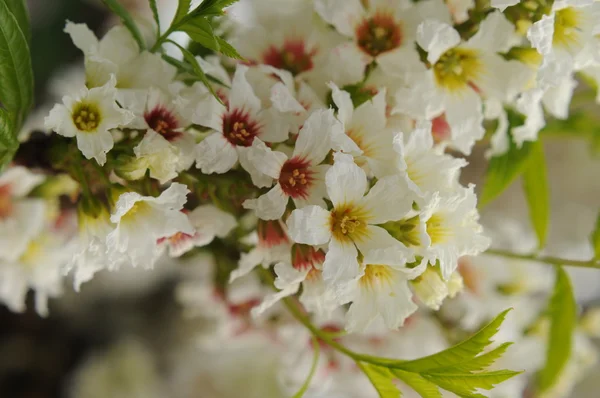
504,169
127,20
459,354
535,185
382,380
8,142
183,7
563,317
200,30
16,76
19,10
190,59
595,238
423,387
313,368
154,9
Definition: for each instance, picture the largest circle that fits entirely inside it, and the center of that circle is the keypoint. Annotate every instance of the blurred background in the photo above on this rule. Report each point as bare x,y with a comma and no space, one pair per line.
129,322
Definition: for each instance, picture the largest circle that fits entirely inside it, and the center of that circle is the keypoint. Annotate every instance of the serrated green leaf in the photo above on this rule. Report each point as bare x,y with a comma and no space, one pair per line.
535,185
504,169
212,7
227,49
19,9
382,380
423,387
200,30
479,363
127,20
467,384
154,9
563,318
191,60
595,238
8,142
183,7
460,353
16,75
313,369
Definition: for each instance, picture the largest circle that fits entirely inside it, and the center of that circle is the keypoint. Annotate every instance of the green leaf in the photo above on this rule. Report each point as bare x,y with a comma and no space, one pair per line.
313,368
479,363
19,10
422,386
459,354
183,7
382,380
127,20
190,59
504,169
8,142
227,49
212,7
16,75
595,238
200,30
535,185
154,9
465,385
563,318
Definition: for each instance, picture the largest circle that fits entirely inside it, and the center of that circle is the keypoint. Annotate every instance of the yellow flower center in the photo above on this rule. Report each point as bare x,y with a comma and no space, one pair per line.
32,255
437,230
457,68
348,223
86,117
376,275
566,27
139,208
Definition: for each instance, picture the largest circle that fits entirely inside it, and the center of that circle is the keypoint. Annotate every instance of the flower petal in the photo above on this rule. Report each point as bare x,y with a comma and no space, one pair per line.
310,225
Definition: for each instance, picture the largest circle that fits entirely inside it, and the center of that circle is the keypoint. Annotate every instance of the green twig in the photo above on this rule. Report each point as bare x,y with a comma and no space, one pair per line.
556,261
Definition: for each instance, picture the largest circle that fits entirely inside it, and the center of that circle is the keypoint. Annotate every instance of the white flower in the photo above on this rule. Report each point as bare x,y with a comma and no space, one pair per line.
156,154
209,222
21,219
427,169
272,245
37,268
301,177
432,290
380,293
118,53
240,123
142,220
91,255
351,225
460,73
382,30
89,116
366,126
452,225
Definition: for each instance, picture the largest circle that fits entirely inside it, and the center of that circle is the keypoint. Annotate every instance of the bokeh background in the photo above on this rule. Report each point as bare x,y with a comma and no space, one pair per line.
130,319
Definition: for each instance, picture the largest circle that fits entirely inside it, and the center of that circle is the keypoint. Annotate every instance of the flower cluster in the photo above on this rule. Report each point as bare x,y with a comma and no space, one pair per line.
326,161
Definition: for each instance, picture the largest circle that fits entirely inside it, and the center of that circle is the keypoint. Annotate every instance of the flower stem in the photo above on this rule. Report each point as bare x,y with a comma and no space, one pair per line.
556,261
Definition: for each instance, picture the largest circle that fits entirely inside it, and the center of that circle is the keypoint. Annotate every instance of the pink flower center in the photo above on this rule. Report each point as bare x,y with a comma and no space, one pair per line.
379,34
239,129
296,177
293,56
163,121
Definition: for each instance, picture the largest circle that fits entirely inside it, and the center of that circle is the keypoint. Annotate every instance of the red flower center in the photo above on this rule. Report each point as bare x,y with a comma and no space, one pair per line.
293,56
378,34
440,129
296,177
163,121
239,129
6,202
